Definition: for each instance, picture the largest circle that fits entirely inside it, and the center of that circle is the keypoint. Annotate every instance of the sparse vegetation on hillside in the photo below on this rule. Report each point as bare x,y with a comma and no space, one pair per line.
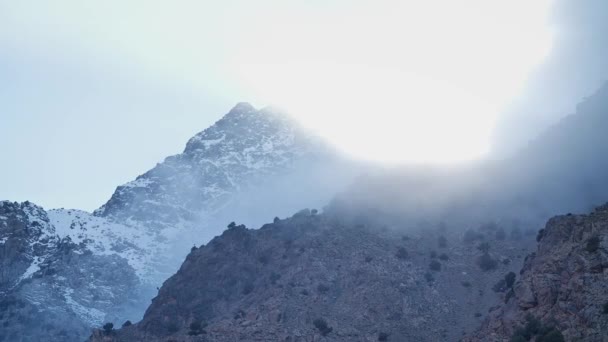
442,242
435,265
593,244
108,328
402,253
322,326
486,262
541,333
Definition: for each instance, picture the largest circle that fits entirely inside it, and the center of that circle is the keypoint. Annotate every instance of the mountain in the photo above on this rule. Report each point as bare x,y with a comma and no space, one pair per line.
52,289
318,277
562,294
65,271
249,166
371,266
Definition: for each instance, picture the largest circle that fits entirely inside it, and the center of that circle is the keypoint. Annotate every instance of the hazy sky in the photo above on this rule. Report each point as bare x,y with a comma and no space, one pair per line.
95,93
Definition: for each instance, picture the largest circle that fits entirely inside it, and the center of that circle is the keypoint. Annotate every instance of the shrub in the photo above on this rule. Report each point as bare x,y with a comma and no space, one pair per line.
471,235
368,259
276,220
231,225
172,327
593,244
444,257
486,262
605,309
248,288
314,212
127,324
435,265
322,326
518,338
433,254
540,235
484,247
322,288
196,325
274,277
516,234
429,277
509,295
402,253
382,336
466,284
264,259
442,242
108,328
500,234
552,335
510,279
196,328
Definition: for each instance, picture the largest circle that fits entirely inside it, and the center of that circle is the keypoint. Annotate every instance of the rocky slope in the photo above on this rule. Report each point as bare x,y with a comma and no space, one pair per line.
252,164
562,294
74,270
52,289
318,277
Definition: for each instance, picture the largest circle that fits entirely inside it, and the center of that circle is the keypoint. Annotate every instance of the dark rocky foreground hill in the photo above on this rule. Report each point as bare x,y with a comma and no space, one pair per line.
563,291
316,277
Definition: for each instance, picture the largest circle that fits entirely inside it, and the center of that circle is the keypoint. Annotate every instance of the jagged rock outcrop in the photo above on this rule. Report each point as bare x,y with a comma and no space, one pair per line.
563,286
318,277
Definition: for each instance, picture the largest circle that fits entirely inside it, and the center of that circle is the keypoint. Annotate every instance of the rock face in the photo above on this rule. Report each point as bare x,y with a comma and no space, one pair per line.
318,277
65,271
246,147
52,289
564,285
249,166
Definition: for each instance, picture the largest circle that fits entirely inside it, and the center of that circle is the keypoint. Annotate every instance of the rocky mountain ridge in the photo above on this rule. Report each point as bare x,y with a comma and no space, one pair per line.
318,277
562,294
140,236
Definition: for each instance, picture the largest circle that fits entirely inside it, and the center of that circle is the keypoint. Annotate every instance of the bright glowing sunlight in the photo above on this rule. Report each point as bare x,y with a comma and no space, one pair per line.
415,81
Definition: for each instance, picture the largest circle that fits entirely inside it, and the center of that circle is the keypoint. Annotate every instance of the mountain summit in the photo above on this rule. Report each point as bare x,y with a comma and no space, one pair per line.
250,165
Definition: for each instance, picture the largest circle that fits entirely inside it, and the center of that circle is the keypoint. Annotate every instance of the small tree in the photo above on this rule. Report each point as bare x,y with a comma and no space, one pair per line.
442,242
322,326
127,324
500,234
402,253
593,244
510,279
435,265
108,328
232,225
484,247
540,235
486,262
